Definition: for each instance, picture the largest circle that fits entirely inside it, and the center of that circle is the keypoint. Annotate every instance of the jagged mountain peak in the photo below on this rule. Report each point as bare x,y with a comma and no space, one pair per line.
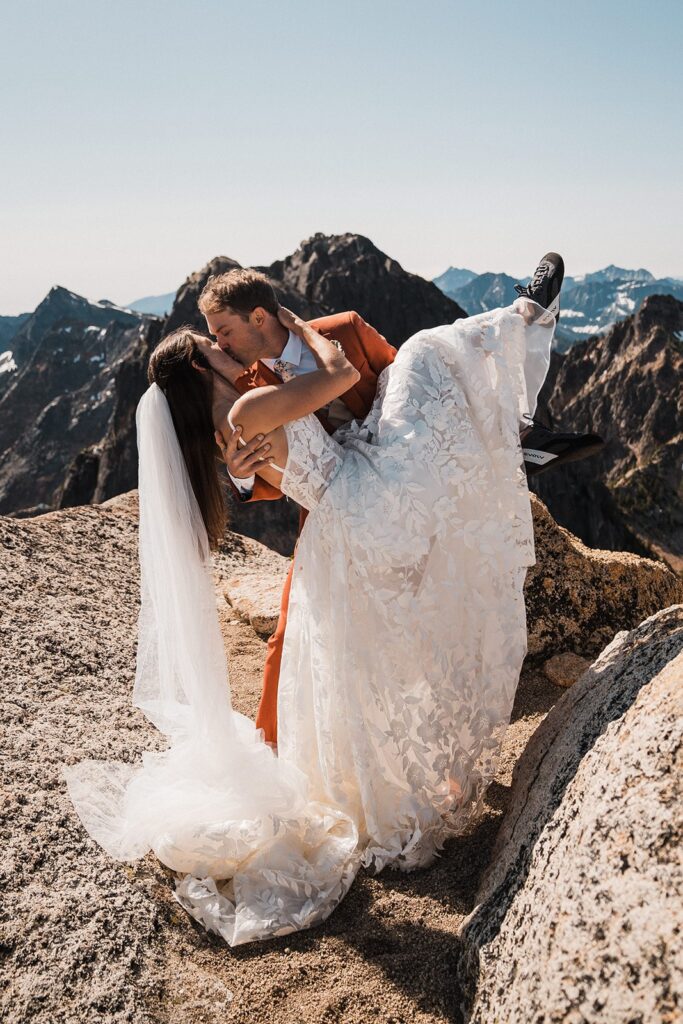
625,385
58,293
331,250
349,272
61,301
661,310
458,270
484,291
64,307
590,303
614,273
62,298
454,278
347,238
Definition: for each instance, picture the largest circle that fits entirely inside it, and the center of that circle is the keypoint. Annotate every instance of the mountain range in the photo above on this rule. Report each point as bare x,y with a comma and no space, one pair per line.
626,385
590,303
74,371
70,368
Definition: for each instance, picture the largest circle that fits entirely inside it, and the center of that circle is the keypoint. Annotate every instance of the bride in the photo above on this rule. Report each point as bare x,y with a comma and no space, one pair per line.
406,628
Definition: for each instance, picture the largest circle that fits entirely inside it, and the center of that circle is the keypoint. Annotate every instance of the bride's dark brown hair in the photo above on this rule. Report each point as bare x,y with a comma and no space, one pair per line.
189,394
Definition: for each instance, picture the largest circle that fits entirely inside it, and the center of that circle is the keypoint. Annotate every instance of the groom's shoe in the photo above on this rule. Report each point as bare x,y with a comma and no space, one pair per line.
543,448
544,287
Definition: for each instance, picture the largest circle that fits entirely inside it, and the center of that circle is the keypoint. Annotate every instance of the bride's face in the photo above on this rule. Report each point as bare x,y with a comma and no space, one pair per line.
220,360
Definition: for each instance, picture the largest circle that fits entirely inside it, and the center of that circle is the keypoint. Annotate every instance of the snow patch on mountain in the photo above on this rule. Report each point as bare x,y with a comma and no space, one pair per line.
7,362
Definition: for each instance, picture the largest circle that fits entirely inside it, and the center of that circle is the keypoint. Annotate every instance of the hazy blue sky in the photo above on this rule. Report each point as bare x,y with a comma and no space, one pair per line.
141,139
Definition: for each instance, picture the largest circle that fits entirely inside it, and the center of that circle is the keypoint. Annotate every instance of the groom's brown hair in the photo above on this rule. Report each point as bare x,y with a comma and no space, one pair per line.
238,290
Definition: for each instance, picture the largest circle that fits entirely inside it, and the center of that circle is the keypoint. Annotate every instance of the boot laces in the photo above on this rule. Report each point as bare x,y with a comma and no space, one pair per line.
540,274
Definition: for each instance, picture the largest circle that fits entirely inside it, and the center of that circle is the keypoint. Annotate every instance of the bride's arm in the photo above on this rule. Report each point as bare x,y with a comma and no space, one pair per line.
265,408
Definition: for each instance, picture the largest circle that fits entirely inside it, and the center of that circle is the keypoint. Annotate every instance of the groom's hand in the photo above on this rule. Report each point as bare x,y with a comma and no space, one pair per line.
242,463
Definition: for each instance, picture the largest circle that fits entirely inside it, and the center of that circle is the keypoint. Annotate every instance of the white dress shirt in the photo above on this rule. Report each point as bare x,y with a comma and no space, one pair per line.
297,355
299,360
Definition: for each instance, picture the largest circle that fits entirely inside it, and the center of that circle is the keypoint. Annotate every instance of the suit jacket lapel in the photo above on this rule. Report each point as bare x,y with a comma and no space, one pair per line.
266,373
254,376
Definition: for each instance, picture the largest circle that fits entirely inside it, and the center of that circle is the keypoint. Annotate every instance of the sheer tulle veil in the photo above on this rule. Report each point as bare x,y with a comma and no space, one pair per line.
217,767
181,672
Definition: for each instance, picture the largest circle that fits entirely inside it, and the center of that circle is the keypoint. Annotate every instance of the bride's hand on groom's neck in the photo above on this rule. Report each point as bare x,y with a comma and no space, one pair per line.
291,321
327,353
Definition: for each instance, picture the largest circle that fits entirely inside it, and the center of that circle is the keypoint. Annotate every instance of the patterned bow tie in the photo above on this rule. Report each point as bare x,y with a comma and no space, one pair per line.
283,369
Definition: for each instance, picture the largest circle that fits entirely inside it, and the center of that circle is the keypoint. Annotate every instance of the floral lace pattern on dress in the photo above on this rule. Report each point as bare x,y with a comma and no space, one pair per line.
312,461
407,629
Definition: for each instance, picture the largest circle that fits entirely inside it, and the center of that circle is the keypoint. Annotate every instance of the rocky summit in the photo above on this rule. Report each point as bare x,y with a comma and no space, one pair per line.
60,309
571,913
579,914
625,385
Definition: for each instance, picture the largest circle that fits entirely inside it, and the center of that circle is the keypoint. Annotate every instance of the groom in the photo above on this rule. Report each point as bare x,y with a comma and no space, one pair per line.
240,309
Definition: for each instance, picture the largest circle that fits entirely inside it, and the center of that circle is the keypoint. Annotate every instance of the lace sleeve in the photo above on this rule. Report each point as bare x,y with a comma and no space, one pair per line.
312,461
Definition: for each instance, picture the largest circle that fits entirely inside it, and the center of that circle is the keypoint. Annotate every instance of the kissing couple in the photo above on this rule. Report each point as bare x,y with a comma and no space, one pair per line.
391,676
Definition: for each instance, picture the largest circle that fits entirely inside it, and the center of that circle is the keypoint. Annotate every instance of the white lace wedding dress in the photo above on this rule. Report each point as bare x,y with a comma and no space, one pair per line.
405,637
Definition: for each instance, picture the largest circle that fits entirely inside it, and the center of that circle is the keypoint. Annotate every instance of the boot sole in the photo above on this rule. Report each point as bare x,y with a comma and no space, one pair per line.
571,455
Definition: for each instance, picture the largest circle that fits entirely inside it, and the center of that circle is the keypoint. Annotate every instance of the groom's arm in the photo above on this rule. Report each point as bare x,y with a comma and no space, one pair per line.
263,491
241,464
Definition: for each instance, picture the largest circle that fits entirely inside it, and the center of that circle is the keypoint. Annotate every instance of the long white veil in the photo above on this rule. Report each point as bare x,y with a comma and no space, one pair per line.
218,794
181,680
